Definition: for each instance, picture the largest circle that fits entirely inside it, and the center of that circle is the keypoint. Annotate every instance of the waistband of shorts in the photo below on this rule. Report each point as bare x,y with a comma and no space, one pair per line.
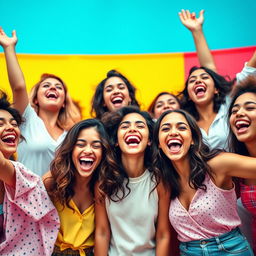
220,238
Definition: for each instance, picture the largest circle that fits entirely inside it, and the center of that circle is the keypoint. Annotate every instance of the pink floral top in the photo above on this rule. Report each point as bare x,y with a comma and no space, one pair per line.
31,222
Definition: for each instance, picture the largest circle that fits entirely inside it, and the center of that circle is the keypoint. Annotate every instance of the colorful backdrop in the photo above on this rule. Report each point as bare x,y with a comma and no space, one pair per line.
81,40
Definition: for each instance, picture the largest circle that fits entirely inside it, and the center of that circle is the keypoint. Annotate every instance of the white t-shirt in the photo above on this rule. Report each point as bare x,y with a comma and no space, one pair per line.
133,219
37,150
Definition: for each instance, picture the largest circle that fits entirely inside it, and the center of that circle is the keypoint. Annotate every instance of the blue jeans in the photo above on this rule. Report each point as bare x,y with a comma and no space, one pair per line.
231,243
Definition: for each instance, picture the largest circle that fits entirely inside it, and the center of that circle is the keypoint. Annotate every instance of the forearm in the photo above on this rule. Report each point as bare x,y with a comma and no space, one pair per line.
163,245
15,74
101,244
203,52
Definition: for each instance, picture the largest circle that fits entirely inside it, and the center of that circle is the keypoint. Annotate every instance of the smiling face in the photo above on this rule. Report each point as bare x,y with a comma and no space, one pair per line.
51,94
133,134
163,103
115,94
87,152
243,118
200,87
9,134
175,137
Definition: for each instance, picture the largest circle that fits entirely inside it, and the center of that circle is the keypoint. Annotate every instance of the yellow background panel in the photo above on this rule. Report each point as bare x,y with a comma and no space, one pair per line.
149,73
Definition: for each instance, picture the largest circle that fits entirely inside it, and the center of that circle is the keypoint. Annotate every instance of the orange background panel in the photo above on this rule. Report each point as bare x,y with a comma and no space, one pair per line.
149,73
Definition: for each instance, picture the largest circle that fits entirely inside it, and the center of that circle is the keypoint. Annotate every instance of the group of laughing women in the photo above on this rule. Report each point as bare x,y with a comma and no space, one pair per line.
119,183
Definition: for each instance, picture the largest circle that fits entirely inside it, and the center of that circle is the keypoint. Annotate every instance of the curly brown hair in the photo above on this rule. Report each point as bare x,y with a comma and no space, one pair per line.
63,169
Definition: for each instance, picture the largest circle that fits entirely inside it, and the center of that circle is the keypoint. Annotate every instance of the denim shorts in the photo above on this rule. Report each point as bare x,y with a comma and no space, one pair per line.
231,243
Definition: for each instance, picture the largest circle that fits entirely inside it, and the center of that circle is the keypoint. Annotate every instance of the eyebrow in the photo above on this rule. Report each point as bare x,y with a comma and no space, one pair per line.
11,119
46,82
246,103
168,124
82,140
129,122
199,75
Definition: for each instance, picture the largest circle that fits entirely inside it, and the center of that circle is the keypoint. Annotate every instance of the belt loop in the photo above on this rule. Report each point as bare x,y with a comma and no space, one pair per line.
218,243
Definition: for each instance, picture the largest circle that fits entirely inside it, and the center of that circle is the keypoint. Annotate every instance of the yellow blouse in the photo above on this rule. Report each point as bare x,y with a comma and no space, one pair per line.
76,229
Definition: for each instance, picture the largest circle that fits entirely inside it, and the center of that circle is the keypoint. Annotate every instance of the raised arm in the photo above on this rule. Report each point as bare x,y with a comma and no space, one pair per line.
195,25
15,75
102,231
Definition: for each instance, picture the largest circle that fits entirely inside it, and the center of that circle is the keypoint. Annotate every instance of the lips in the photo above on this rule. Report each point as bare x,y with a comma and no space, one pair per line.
132,140
86,162
117,100
200,90
242,125
174,145
9,139
51,95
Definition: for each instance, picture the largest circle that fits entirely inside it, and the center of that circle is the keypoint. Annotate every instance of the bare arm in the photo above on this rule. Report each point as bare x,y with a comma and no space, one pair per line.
229,165
102,231
15,75
163,231
195,25
7,171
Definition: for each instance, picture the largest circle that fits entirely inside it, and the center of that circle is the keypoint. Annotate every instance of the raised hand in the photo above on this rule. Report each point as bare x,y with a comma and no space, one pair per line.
6,41
190,21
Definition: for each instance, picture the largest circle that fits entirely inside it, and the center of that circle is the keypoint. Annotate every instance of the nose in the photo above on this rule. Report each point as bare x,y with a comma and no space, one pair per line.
166,106
133,127
174,132
116,90
87,149
9,126
240,112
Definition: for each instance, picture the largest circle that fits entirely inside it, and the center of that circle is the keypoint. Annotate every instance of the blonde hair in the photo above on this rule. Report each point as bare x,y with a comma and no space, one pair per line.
68,115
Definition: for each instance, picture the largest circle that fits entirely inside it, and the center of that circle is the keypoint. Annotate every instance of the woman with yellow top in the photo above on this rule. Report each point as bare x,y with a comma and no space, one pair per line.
70,184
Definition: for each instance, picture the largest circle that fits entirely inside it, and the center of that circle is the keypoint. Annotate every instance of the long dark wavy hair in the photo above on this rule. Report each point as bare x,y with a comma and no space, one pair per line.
222,84
98,108
247,85
63,169
198,154
114,181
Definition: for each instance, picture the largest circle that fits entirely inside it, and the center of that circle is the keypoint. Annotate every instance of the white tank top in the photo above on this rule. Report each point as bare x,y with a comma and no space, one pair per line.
133,219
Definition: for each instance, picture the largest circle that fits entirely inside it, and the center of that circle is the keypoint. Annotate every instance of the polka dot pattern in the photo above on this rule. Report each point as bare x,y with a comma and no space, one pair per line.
31,222
211,213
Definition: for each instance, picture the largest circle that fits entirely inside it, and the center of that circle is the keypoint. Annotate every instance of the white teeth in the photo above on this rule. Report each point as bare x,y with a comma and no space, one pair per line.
7,137
132,139
51,94
174,141
87,159
242,123
117,99
200,88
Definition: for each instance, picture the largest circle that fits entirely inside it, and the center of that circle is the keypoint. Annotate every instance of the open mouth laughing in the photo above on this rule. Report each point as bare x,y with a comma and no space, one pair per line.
242,125
10,139
132,140
174,145
200,90
86,162
117,100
